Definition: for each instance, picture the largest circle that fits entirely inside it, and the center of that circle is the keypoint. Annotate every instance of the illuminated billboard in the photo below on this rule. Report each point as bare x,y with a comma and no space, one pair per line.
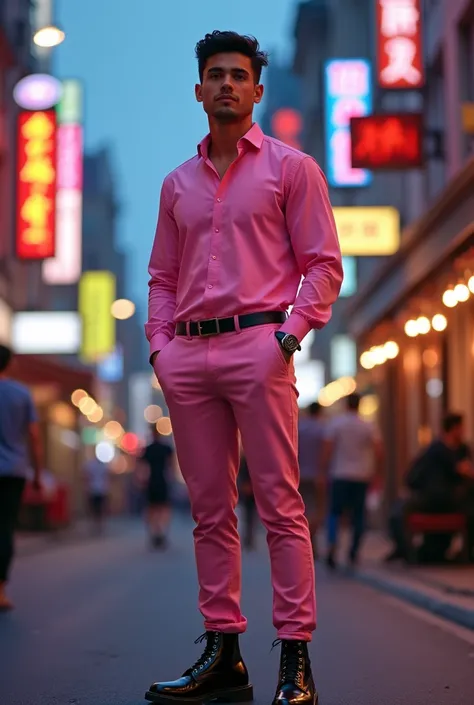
348,93
367,231
96,296
46,332
388,142
399,44
36,184
66,266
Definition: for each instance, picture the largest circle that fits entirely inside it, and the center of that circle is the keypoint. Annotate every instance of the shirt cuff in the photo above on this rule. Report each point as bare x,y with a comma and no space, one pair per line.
296,325
157,343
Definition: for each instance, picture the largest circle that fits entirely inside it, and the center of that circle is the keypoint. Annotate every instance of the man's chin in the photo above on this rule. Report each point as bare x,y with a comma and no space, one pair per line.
226,114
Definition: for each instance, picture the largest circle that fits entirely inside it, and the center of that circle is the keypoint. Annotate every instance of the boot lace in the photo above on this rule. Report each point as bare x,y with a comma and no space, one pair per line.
208,654
292,662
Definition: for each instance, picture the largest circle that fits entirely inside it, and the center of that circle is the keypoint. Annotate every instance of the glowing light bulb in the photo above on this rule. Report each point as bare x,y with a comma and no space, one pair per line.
461,292
391,350
423,324
450,299
439,322
411,328
366,360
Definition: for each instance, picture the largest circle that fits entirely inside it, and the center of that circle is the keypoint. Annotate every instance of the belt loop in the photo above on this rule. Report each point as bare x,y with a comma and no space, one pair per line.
237,324
188,330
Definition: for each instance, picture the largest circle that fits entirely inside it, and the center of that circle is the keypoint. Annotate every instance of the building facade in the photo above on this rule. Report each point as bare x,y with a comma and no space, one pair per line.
422,299
343,29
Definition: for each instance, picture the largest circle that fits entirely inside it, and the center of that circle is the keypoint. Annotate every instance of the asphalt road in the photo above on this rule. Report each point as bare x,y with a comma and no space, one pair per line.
96,622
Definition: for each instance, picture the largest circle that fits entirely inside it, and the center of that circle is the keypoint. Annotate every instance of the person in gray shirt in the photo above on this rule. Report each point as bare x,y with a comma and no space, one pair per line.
19,441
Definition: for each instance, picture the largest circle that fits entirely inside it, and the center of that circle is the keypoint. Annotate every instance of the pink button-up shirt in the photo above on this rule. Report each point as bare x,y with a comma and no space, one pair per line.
242,244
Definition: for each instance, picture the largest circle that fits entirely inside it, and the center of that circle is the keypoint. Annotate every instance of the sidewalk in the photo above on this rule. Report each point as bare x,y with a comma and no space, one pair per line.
28,544
447,591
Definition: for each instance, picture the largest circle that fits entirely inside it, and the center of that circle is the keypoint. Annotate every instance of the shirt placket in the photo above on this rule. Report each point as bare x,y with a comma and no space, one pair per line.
217,226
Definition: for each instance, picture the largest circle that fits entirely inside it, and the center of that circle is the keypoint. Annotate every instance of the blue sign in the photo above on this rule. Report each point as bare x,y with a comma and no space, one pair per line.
349,284
348,93
110,369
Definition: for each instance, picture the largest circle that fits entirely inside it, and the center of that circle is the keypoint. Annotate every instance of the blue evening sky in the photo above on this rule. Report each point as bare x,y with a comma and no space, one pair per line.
136,59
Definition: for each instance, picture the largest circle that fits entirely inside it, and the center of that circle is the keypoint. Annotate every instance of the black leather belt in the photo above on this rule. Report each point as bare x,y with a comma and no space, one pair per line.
214,326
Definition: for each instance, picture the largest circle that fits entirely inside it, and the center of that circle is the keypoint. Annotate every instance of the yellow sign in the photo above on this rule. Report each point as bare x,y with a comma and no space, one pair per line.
96,296
368,231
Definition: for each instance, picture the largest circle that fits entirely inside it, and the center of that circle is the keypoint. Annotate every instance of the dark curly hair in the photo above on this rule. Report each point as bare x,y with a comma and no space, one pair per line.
226,42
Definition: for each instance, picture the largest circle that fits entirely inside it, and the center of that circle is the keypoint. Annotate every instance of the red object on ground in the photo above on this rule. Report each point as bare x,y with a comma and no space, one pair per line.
57,507
57,510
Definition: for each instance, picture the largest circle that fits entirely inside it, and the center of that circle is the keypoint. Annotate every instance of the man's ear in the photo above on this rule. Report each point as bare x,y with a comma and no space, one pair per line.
198,92
258,93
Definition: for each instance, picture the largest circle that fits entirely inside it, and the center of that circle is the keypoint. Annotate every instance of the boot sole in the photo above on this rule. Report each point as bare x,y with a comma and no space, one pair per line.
236,695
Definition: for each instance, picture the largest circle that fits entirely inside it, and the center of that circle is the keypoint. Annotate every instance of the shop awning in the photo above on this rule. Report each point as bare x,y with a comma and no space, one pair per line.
35,370
435,240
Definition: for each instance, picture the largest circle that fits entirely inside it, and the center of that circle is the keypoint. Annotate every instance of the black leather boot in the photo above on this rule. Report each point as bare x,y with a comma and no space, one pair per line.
219,674
295,682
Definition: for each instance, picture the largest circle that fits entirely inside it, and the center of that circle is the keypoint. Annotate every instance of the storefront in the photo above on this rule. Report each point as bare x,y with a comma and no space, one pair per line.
52,384
414,327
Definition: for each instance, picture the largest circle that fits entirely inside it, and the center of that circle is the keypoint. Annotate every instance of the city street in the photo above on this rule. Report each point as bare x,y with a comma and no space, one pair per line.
97,621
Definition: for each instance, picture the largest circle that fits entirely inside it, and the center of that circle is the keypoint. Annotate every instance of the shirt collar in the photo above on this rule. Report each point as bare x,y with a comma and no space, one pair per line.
254,137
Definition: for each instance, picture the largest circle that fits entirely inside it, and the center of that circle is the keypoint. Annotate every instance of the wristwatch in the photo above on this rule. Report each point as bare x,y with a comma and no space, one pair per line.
288,342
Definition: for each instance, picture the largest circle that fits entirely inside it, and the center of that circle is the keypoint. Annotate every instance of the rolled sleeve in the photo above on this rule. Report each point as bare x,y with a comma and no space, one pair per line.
315,243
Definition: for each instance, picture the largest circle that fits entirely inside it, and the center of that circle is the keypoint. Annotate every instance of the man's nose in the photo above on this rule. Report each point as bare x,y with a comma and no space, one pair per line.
227,84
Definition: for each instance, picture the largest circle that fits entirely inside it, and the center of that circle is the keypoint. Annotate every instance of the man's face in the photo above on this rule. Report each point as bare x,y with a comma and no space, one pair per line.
228,91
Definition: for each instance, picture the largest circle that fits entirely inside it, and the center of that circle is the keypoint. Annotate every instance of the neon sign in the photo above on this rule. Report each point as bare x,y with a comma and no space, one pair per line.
348,93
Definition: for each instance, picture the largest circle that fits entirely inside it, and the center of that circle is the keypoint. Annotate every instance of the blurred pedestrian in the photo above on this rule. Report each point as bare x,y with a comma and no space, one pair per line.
353,456
247,500
97,476
239,225
312,484
440,480
20,444
155,465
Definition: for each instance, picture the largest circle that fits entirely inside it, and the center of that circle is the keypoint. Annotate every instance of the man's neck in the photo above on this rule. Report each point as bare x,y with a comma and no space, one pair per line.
225,136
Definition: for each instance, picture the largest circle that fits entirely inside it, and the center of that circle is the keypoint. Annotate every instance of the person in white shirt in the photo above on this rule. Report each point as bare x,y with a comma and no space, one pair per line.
97,479
352,456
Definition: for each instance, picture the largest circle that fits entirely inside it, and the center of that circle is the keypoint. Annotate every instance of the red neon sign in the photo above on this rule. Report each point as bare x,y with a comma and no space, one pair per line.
36,185
387,141
400,54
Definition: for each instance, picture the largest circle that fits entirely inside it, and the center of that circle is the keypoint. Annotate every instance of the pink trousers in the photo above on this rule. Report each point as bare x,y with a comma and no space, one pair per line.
214,387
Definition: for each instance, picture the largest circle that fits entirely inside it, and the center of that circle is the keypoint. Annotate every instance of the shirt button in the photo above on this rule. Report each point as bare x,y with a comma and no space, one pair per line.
209,286
214,257
219,200
217,230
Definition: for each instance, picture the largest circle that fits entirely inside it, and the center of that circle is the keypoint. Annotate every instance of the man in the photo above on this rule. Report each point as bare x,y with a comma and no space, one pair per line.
239,225
157,461
19,438
97,477
353,454
310,435
440,480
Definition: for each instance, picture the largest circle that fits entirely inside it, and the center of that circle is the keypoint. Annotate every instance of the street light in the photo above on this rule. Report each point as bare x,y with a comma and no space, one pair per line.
49,37
122,309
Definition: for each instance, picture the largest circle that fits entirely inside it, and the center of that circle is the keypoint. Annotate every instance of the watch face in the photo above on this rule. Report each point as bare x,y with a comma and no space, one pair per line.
290,343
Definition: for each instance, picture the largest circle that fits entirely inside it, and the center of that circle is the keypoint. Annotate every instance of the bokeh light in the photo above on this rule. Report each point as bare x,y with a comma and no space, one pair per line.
163,426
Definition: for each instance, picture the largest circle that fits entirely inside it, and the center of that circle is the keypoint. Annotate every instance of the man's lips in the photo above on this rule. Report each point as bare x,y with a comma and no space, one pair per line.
227,97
